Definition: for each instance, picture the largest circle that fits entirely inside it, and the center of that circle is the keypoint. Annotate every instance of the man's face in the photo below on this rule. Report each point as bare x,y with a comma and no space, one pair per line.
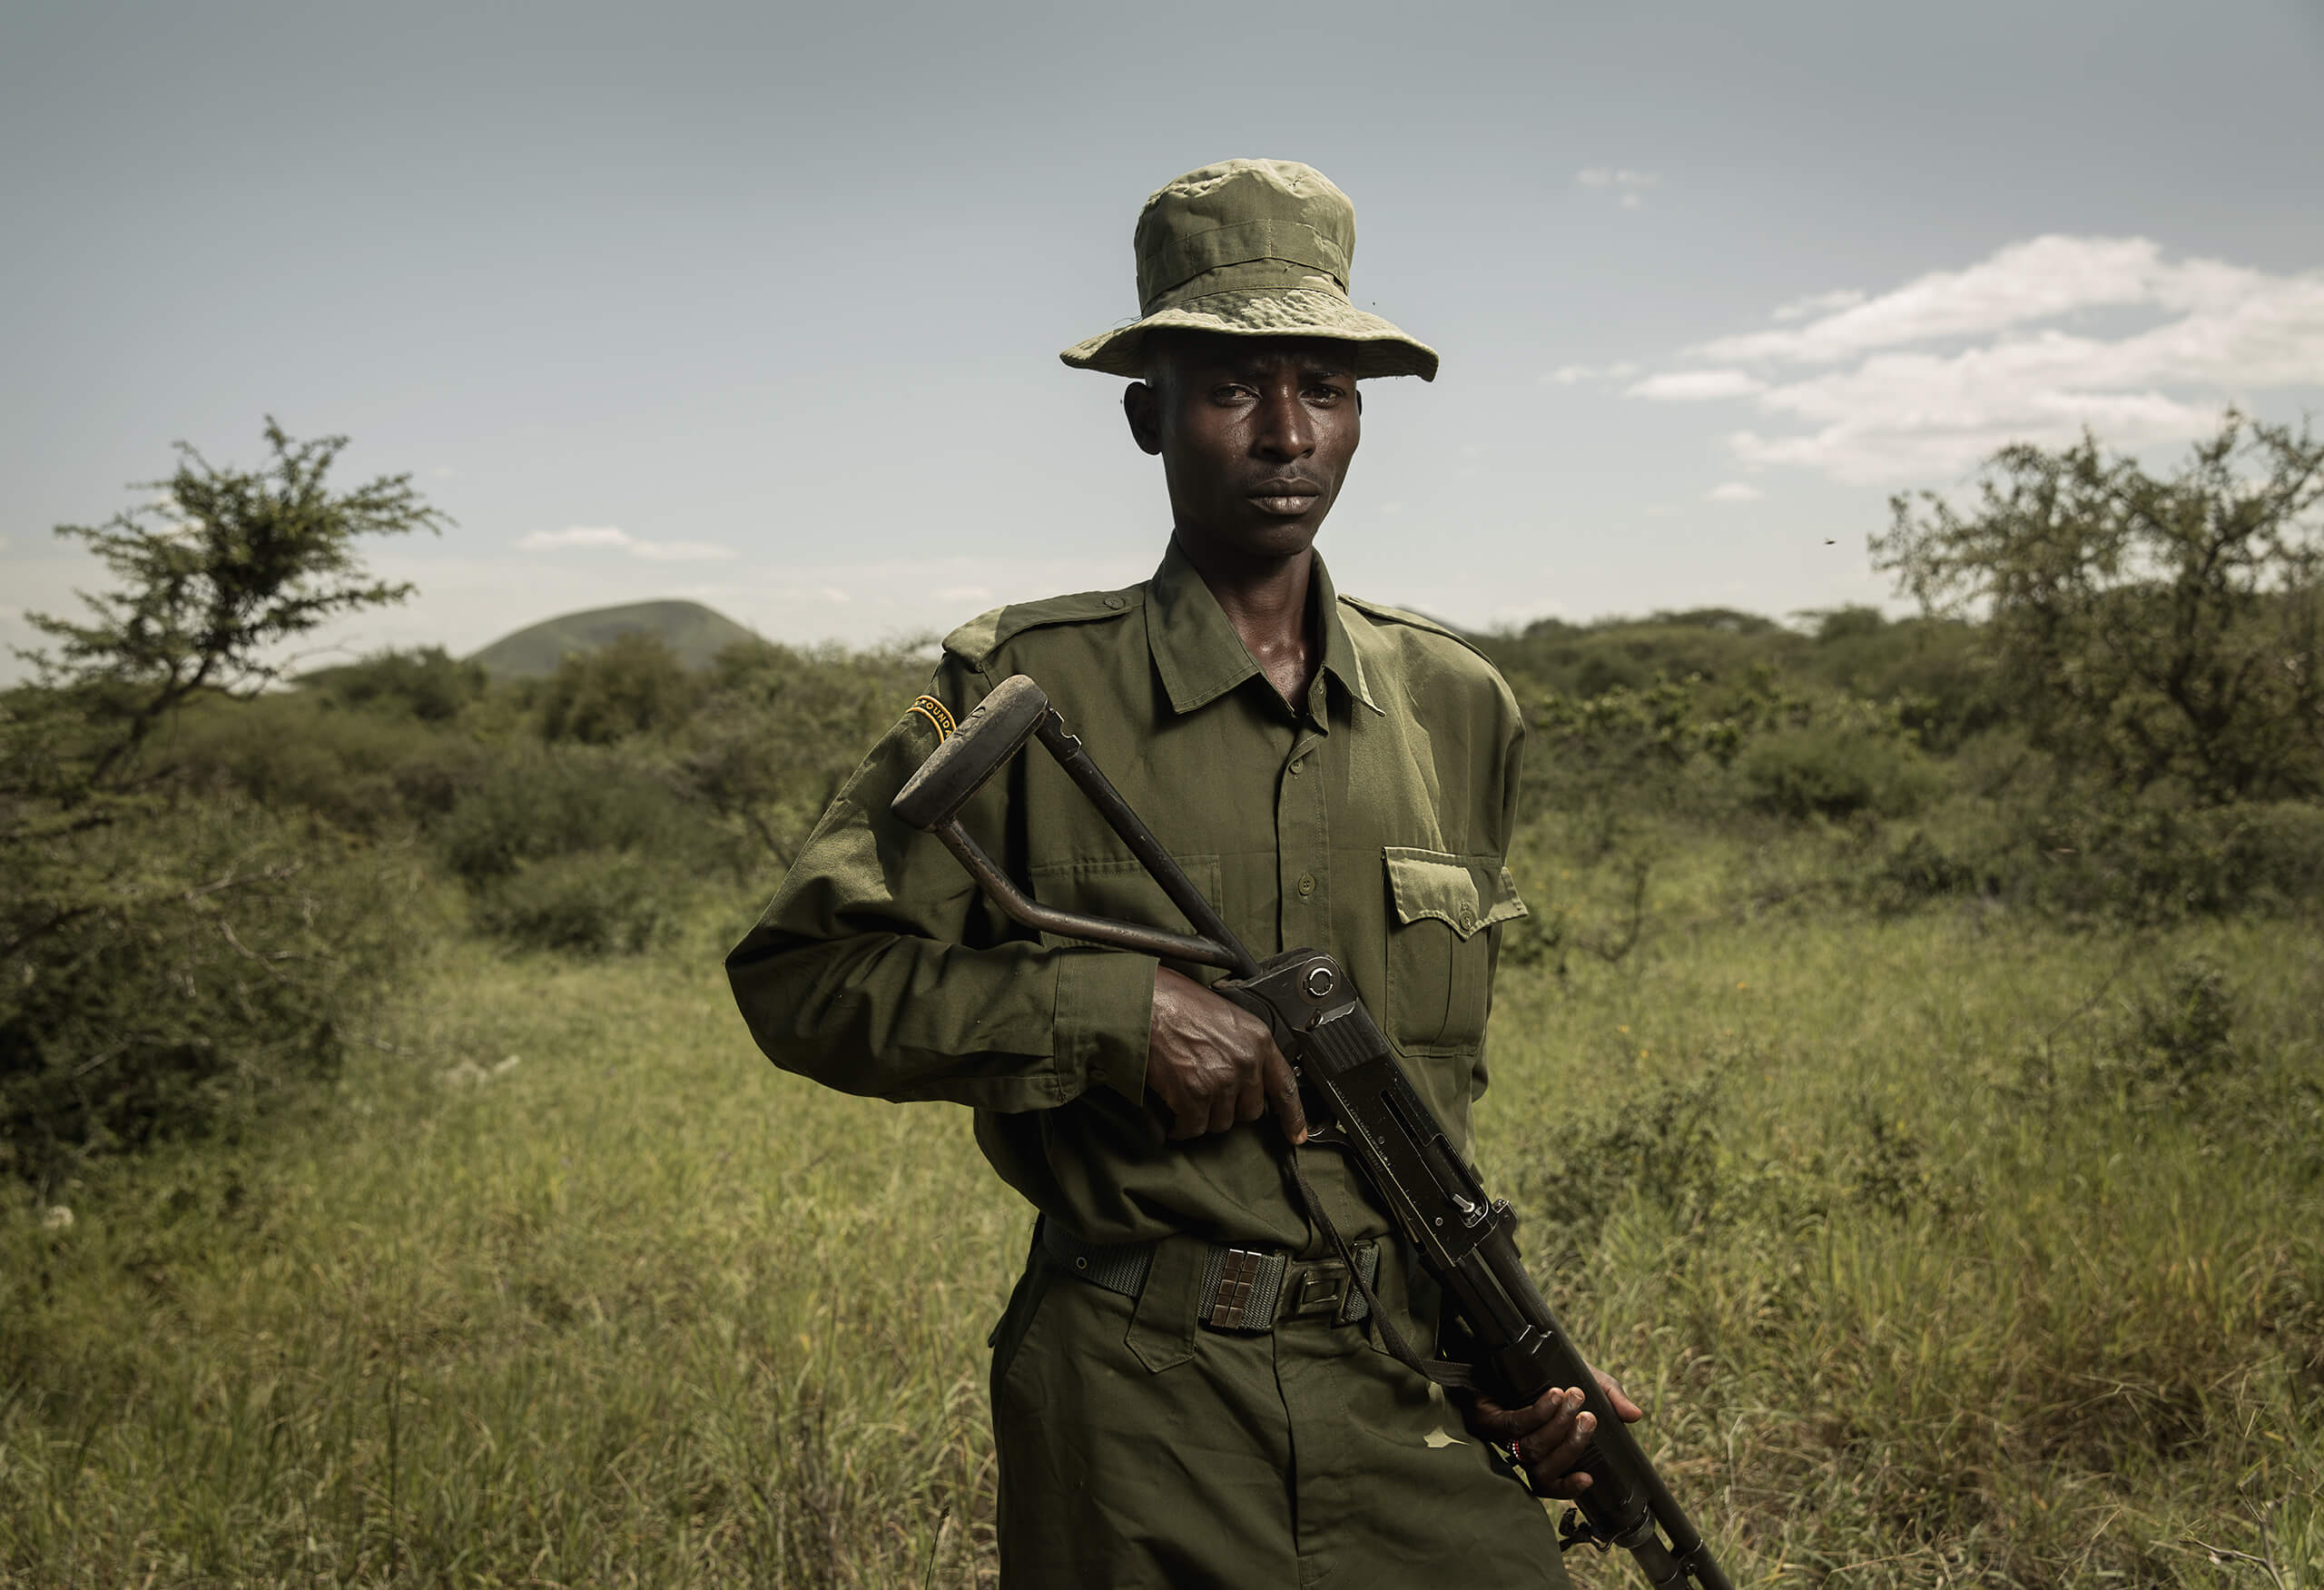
1255,434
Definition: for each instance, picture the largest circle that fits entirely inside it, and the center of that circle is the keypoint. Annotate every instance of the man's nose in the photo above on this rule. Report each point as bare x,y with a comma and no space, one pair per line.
1286,430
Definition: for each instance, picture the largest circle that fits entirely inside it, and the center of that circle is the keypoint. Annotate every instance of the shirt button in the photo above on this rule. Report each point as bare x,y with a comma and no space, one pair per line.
1307,882
1114,602
1468,920
1298,767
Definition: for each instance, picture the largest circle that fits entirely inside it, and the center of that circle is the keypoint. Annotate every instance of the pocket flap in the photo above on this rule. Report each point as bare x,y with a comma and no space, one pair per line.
1465,892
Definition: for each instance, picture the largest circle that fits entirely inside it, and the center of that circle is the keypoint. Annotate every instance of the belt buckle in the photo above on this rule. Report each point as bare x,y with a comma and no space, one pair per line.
1321,1290
1238,1273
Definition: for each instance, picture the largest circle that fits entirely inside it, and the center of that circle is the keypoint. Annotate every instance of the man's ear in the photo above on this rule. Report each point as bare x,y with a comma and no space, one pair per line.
1142,407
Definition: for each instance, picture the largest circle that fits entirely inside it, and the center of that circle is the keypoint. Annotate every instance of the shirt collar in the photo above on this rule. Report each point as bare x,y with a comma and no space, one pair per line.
1200,657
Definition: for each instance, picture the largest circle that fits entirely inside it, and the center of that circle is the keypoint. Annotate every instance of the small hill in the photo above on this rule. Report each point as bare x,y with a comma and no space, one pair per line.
696,633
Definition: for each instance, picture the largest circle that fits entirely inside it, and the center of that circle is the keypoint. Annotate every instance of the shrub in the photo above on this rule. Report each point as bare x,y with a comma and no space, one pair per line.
568,801
598,903
365,773
1933,669
780,729
2156,861
1607,760
1919,871
2182,1034
163,977
634,684
1718,644
1836,770
428,684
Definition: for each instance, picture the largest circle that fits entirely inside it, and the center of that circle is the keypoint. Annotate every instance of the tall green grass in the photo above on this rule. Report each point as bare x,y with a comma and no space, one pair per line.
1932,1272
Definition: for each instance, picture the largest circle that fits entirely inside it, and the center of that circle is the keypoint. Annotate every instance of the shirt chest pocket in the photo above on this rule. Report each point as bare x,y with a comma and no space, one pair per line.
1440,967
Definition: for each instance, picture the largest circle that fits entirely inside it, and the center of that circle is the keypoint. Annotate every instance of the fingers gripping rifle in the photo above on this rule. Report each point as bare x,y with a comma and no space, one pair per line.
1369,1110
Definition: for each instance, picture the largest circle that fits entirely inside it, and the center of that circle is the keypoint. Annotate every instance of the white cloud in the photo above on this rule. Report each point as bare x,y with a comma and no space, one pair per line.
575,536
614,536
1565,375
965,593
1734,491
1933,376
1819,303
1694,386
679,551
2027,282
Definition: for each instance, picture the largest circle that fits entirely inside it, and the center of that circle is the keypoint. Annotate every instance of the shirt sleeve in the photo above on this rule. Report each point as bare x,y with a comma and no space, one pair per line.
1512,757
881,969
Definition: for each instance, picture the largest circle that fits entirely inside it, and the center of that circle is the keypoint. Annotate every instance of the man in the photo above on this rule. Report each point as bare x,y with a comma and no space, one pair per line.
1331,773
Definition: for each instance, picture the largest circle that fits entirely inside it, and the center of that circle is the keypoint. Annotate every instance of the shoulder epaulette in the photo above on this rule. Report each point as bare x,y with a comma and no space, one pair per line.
1399,615
985,633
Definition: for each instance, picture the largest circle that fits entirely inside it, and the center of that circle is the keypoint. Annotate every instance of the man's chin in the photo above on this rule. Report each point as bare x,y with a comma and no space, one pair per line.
1274,536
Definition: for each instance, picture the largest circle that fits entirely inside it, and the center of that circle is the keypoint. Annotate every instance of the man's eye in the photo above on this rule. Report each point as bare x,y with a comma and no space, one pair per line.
1230,394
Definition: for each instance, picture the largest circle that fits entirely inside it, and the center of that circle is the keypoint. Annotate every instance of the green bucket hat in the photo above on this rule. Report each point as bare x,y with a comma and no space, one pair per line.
1253,248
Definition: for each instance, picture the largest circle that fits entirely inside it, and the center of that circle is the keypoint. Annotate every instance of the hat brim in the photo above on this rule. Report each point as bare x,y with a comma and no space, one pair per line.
1375,346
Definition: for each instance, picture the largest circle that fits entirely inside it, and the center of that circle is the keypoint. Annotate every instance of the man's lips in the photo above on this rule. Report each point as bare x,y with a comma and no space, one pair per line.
1288,498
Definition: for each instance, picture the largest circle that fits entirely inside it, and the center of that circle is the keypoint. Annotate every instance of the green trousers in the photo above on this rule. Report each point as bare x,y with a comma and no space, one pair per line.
1138,1448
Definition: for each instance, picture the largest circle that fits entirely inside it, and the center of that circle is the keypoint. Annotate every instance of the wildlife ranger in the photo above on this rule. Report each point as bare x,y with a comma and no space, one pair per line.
1330,771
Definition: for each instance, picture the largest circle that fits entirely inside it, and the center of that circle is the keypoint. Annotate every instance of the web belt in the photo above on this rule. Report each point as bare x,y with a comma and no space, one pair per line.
1242,1289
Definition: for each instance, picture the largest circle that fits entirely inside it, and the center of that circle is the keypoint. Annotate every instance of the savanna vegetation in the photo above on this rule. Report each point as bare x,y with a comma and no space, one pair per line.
1909,1070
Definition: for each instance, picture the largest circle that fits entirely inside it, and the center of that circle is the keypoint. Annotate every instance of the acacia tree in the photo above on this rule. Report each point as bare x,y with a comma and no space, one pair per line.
2146,628
163,963
212,578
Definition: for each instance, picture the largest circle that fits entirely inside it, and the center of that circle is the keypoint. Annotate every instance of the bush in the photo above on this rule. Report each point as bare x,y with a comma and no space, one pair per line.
780,729
634,684
543,803
2078,847
2159,861
1836,770
598,903
1716,644
2182,1034
364,772
165,977
1933,669
1919,871
428,684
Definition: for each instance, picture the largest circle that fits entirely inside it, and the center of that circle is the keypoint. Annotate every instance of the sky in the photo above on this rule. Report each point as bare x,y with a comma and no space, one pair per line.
760,305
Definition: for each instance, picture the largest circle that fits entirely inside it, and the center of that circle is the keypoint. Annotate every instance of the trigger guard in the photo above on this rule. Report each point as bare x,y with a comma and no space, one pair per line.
1324,1135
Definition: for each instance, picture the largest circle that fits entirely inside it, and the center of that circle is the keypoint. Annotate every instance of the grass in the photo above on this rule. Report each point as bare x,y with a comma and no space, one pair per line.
1938,1263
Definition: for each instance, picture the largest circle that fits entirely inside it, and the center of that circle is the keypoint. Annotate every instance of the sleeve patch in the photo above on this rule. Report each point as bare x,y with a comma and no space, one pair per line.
934,711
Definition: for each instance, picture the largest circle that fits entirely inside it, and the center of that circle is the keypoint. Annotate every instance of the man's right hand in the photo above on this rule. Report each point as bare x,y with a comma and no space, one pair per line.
1213,1064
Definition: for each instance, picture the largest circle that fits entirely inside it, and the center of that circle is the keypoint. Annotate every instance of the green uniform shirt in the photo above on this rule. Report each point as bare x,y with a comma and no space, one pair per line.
1371,820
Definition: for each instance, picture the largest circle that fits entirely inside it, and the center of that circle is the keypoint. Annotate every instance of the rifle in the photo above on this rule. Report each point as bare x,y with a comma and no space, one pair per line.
1370,1110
